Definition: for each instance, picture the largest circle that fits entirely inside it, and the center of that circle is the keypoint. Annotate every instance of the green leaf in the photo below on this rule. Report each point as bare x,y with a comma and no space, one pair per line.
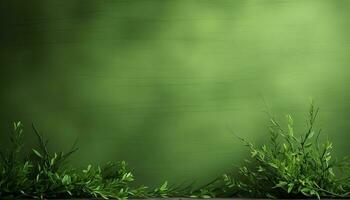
311,135
290,187
205,196
164,186
273,165
305,191
281,184
37,153
66,180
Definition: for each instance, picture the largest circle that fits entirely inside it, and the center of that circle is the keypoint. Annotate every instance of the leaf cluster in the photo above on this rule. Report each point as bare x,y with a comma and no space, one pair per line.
291,166
45,175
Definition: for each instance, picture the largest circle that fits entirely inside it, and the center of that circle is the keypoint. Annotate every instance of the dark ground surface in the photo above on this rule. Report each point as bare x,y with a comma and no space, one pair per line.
182,199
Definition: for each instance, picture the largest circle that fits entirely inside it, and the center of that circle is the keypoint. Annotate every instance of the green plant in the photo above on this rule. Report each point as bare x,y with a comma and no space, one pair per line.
42,174
290,166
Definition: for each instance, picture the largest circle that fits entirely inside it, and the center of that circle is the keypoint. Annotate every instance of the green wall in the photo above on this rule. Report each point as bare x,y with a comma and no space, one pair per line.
163,83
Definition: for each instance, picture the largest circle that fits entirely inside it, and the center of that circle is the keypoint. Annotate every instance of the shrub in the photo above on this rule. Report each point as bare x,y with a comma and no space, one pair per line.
44,175
290,166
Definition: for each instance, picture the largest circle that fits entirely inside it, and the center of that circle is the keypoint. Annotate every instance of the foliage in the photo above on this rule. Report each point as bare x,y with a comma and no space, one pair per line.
291,166
44,175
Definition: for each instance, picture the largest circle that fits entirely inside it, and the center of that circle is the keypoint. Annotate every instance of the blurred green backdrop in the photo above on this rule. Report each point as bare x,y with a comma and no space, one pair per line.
163,83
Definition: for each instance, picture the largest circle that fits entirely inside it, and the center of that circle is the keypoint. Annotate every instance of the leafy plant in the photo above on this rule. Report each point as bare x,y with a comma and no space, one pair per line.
45,175
290,166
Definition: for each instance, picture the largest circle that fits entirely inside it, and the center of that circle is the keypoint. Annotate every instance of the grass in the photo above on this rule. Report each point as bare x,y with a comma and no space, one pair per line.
290,165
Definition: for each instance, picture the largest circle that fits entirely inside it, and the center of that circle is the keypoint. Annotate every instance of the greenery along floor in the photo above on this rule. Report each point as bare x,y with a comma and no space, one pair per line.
290,165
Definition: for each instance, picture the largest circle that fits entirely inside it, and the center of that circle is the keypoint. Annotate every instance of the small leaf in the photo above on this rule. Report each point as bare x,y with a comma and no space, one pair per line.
205,196
66,180
290,187
311,135
164,186
273,165
307,145
281,184
37,153
305,191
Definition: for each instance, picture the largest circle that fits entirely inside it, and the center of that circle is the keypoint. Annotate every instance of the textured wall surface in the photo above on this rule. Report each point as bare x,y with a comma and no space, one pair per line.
163,83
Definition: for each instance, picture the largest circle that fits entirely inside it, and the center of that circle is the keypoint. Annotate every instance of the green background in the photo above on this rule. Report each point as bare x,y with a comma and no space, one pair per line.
163,84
